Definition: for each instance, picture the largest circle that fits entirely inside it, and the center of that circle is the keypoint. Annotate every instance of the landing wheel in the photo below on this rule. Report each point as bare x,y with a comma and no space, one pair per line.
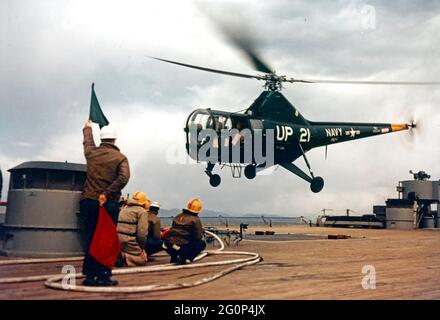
250,171
317,184
215,180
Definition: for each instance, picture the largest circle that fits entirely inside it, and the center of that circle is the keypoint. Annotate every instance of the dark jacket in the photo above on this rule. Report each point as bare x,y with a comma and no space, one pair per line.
153,226
133,228
186,228
107,169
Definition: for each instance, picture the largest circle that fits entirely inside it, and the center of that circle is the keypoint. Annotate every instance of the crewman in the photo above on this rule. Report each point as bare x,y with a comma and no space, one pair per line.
184,239
107,174
238,137
154,243
133,229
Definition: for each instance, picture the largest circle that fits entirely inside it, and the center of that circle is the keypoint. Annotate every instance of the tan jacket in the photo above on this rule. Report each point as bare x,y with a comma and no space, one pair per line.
133,228
107,169
186,228
153,225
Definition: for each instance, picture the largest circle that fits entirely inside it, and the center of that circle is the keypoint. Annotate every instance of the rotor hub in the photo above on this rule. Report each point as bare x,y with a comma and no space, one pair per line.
273,82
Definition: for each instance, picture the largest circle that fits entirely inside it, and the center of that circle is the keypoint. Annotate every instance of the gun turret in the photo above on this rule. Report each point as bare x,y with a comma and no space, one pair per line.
421,175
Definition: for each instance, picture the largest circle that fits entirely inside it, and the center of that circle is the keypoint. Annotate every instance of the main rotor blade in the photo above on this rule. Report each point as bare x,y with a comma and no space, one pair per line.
411,83
234,26
246,46
228,73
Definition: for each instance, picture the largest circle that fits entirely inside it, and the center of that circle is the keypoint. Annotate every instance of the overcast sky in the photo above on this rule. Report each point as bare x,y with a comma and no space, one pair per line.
51,52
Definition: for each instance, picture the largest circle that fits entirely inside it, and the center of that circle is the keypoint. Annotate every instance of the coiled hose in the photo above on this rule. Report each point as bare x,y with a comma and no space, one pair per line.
53,280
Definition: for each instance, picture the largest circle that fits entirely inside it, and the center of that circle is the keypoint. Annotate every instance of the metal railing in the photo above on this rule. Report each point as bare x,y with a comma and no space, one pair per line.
236,221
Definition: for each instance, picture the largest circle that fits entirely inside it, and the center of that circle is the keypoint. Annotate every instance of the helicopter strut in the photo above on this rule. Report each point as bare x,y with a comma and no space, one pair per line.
316,183
306,160
214,179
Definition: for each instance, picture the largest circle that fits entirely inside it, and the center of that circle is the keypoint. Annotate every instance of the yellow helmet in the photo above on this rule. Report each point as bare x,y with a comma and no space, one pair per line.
141,198
195,206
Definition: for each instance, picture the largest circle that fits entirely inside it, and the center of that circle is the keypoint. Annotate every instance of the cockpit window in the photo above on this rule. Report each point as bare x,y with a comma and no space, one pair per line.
200,121
203,119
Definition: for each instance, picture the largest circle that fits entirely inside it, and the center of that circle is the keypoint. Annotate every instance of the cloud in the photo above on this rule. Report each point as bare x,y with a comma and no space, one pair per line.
50,53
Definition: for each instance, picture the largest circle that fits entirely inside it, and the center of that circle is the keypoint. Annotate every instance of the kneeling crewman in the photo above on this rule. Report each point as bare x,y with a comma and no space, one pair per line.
184,239
154,243
133,229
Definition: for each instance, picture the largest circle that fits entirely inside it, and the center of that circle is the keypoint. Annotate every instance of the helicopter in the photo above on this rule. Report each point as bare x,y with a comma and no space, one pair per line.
293,134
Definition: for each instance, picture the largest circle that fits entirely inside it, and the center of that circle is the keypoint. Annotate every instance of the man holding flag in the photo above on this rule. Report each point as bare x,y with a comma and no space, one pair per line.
107,174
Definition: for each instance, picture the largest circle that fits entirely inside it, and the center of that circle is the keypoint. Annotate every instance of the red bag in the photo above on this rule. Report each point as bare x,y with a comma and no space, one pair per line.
105,244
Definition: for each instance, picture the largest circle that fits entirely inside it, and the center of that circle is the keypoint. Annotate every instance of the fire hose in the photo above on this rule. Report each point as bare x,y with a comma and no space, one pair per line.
53,280
43,260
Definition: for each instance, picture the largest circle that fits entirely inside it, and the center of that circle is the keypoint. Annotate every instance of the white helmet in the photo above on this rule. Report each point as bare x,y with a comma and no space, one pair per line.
108,132
155,205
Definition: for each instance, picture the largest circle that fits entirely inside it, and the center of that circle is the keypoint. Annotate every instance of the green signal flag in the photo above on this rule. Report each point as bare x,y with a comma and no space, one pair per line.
96,115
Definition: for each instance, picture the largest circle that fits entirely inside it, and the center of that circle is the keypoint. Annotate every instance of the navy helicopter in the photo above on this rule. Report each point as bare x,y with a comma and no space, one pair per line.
294,135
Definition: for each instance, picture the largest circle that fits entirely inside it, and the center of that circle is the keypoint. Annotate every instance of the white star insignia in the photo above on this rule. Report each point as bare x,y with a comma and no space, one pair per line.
352,133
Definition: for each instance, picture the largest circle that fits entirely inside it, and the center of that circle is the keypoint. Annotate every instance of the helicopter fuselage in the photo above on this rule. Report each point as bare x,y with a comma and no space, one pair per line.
291,134
270,132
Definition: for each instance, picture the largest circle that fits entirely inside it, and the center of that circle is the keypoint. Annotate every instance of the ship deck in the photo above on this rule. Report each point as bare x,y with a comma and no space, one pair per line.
303,265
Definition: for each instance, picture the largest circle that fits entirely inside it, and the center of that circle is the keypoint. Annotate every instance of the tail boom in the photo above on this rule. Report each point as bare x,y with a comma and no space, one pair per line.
326,133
